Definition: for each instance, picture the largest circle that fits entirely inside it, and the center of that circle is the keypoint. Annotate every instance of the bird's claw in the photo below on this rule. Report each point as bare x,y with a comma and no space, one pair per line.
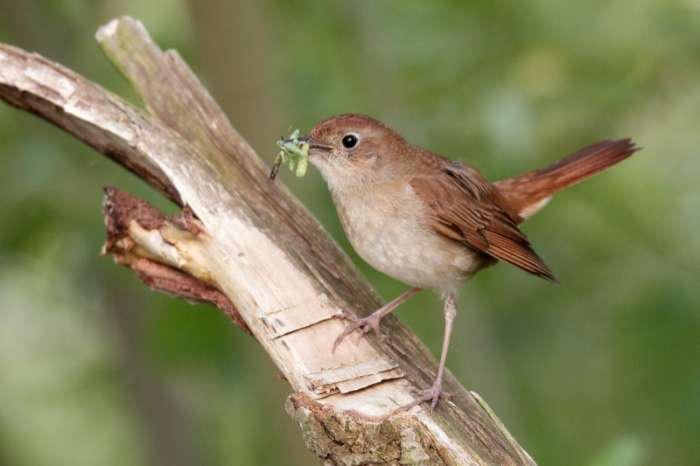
365,325
432,394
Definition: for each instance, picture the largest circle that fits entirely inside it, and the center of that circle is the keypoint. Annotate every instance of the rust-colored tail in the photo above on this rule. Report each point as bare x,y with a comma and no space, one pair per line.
528,193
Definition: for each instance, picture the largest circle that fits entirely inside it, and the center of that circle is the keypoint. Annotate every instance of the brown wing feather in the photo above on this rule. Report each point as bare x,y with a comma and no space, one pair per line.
467,208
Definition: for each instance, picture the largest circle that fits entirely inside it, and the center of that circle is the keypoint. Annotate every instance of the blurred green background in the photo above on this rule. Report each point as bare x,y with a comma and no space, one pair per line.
603,370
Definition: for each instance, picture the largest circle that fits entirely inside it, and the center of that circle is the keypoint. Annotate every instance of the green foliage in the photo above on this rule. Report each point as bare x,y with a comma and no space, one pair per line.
601,370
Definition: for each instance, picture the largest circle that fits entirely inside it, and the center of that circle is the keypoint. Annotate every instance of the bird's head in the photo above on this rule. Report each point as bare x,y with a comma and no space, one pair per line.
352,148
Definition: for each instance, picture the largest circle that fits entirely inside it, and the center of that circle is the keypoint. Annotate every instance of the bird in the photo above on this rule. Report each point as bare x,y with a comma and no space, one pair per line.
431,222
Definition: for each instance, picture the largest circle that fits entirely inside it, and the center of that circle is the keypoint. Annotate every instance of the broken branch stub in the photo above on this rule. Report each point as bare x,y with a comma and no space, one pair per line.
265,253
164,252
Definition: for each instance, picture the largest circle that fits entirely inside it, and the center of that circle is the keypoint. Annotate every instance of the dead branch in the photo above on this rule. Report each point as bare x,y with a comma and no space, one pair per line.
256,246
164,253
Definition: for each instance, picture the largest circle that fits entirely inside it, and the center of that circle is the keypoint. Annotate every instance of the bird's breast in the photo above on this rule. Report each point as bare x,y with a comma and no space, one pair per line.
388,227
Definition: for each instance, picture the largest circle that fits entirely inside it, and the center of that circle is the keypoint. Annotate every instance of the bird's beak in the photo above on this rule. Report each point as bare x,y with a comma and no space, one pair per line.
313,144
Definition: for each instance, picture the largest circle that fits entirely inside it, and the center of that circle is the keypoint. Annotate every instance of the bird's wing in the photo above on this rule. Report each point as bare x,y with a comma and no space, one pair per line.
464,207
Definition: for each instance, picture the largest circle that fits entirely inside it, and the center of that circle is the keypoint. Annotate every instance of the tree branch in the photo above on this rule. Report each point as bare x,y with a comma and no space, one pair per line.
166,254
264,252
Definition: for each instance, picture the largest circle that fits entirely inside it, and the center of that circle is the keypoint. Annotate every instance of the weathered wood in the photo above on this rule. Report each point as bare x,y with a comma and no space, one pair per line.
260,247
164,252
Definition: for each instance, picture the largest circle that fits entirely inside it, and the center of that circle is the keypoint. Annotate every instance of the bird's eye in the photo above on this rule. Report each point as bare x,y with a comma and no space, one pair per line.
350,141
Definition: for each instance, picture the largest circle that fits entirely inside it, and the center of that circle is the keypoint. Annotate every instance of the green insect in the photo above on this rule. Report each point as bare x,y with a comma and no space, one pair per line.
294,152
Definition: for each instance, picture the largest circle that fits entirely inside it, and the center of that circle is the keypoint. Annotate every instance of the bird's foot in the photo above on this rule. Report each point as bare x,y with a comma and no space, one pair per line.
432,395
364,325
371,322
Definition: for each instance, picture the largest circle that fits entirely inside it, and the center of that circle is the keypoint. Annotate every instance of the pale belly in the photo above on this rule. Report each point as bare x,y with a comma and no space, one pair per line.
386,234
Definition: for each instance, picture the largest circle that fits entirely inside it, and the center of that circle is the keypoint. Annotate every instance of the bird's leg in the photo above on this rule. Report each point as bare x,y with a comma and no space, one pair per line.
434,393
371,322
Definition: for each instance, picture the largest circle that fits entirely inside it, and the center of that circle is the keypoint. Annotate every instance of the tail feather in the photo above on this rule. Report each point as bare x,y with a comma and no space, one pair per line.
528,193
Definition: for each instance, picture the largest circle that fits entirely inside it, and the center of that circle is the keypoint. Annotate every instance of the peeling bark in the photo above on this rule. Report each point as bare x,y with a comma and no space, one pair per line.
157,248
345,438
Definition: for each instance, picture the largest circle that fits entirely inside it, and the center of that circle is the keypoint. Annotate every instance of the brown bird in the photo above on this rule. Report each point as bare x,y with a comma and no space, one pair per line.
431,222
